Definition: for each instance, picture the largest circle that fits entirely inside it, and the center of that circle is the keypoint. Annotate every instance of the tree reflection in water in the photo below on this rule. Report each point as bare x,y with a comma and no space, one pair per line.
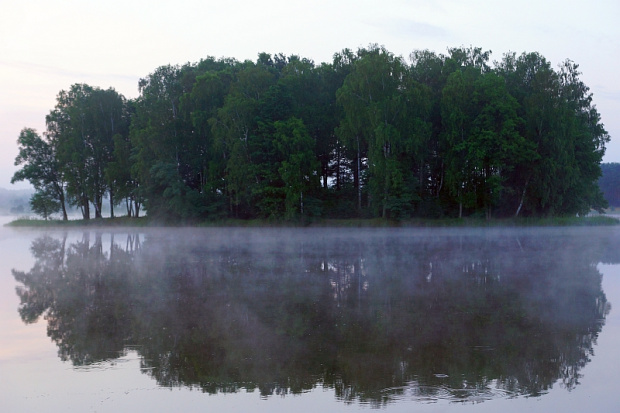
373,314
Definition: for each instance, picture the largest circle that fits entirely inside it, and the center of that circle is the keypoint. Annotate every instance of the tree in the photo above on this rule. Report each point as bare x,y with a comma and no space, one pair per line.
299,169
496,147
235,129
457,118
67,124
564,127
586,135
352,131
41,167
416,152
372,97
430,70
83,125
120,180
44,203
155,135
201,104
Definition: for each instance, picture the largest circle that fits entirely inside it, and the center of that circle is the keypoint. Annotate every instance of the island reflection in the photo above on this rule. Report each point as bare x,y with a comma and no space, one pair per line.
372,314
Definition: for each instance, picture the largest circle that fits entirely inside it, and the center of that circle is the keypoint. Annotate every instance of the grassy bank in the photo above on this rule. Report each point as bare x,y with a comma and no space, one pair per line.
599,220
99,222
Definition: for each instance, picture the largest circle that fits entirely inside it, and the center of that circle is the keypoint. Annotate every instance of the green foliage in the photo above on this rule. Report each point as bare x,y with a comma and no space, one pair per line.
41,167
82,126
367,135
299,168
44,203
177,201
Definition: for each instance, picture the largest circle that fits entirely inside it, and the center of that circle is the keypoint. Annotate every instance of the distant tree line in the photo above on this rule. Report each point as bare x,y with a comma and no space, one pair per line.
609,182
367,135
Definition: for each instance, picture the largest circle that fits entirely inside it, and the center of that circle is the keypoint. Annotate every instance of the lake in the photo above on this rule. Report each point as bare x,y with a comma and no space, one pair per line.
310,319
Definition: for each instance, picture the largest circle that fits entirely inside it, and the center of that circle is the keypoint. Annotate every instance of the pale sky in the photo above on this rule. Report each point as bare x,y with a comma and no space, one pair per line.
48,45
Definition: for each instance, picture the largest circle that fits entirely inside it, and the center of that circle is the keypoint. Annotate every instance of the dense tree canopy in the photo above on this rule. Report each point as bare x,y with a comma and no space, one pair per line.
366,135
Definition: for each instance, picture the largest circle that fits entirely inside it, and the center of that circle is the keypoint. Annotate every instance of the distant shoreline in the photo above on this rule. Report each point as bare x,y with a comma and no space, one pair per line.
598,220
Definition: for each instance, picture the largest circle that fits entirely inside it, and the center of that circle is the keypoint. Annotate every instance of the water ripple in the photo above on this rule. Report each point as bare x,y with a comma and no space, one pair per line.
426,393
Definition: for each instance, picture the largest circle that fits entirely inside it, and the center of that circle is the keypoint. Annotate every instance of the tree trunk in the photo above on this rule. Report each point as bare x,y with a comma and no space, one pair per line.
63,206
522,198
338,168
111,203
386,154
85,208
357,178
440,180
97,206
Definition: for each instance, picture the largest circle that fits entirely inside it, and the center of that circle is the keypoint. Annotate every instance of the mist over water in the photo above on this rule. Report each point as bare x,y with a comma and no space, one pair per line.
374,317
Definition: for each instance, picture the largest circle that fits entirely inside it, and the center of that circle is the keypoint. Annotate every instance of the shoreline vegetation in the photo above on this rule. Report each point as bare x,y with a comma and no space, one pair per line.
426,139
117,222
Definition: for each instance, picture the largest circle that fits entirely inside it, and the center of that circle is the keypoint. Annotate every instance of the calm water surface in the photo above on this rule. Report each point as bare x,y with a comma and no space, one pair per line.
272,320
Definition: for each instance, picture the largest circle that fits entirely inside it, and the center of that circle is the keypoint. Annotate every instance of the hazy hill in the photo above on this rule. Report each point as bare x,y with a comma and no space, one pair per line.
15,201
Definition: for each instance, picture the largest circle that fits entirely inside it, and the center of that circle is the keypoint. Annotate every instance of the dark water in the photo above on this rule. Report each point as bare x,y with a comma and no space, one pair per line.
310,319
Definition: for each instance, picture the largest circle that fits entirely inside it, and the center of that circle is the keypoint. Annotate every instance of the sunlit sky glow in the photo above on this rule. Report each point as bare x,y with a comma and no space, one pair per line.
48,45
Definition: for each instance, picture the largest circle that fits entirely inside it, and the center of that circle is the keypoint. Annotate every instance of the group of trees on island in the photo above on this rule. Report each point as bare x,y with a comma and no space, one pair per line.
366,135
